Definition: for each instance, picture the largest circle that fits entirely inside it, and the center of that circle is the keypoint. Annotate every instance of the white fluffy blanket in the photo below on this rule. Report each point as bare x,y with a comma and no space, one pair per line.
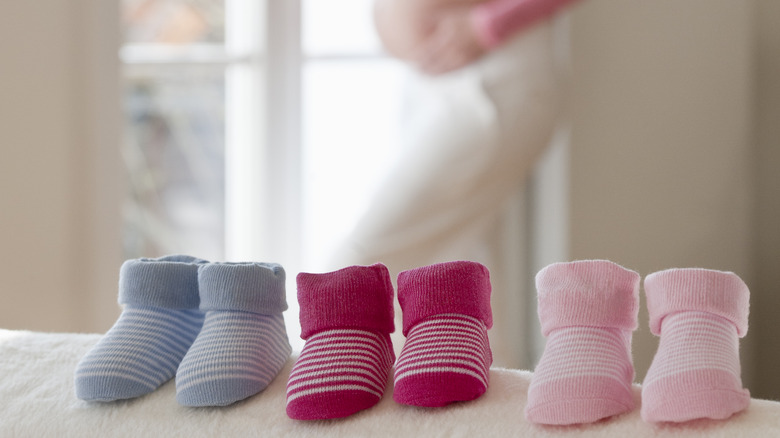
37,400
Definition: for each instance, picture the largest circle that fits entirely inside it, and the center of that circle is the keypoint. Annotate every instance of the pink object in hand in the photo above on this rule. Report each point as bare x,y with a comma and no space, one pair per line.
496,20
588,311
446,312
346,320
700,315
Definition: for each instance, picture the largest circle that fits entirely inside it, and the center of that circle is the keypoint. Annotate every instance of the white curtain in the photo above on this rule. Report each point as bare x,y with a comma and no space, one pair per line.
470,140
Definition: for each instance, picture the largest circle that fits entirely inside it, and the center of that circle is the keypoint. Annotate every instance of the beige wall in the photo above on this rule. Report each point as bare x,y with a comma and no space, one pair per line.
765,305
668,98
35,113
58,119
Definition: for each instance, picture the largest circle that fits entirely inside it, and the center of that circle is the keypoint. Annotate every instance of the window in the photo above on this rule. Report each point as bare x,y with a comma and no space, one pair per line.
174,150
254,130
350,105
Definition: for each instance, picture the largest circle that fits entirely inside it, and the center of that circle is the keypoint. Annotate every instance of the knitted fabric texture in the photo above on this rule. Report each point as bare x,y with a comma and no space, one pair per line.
243,344
346,321
159,321
446,312
587,310
700,315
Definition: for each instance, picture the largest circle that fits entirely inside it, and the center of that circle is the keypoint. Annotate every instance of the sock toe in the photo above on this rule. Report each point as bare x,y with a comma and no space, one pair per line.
576,411
331,405
685,407
108,389
430,391
446,359
217,393
693,394
577,400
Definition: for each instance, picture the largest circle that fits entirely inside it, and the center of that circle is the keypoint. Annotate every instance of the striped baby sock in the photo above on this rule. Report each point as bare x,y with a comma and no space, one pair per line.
446,313
346,320
587,310
159,321
700,315
243,344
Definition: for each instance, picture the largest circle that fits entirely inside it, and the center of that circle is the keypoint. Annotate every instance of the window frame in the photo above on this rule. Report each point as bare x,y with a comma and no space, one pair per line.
261,59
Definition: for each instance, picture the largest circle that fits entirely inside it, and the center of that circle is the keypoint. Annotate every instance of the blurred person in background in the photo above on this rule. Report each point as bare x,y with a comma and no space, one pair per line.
483,99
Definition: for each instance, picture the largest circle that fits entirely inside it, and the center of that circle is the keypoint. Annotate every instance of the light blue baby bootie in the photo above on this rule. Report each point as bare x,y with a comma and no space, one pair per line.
160,319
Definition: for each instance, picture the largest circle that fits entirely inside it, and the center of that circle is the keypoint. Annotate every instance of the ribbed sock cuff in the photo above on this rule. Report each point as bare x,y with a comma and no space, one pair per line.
460,287
248,287
168,282
594,293
358,297
717,292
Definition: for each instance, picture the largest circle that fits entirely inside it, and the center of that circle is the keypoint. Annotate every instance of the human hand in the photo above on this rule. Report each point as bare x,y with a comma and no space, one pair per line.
452,44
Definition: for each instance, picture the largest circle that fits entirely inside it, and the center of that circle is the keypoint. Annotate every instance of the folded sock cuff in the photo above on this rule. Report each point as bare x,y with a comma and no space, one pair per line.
247,287
358,297
594,293
460,287
169,282
717,292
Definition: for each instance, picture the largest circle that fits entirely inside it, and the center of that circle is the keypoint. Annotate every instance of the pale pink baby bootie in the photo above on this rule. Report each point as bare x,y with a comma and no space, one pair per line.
588,311
700,315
